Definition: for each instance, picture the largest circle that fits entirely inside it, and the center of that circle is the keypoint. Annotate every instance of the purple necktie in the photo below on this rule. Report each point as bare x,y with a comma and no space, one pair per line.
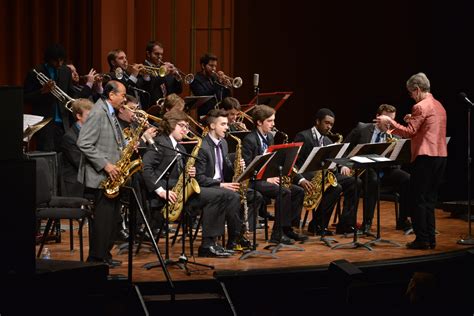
219,158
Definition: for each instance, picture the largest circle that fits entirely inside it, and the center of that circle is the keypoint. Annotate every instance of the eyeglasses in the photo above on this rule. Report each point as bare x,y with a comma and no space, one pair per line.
183,126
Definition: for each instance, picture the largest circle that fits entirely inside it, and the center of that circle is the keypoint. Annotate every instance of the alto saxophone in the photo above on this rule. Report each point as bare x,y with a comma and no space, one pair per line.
127,167
192,186
238,170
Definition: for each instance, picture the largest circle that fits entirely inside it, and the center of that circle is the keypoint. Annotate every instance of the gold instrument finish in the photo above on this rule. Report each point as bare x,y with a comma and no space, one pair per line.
127,167
286,181
227,81
55,91
311,200
192,186
335,137
238,170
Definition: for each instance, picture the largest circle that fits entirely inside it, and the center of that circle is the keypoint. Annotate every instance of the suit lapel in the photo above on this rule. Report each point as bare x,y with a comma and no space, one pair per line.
105,108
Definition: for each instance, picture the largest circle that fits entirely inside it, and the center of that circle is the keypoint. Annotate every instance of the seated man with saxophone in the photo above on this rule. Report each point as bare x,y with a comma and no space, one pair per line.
214,169
160,87
394,177
101,142
208,82
173,128
256,143
317,136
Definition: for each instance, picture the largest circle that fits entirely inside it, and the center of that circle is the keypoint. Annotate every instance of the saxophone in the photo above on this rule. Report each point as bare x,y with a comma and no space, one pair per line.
286,181
192,186
127,168
311,200
238,170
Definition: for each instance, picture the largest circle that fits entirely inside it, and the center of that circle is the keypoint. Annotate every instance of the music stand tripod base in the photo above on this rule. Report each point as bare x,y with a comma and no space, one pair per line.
382,241
466,241
351,245
280,246
255,252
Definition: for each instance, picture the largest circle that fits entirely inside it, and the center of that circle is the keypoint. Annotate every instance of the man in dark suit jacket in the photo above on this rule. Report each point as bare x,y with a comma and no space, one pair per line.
44,103
214,169
71,155
160,87
101,142
390,177
291,200
174,127
206,82
314,137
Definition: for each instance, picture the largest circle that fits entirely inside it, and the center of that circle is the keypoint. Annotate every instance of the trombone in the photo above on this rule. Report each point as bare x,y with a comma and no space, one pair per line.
56,91
227,81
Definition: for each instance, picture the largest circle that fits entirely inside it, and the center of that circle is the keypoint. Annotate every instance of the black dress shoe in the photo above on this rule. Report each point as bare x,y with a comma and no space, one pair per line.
344,229
404,225
269,216
213,251
294,235
239,245
418,245
281,239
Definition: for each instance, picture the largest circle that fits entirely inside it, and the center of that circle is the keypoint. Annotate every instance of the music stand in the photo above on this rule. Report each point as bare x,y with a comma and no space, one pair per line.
193,103
272,99
250,173
281,164
316,161
32,129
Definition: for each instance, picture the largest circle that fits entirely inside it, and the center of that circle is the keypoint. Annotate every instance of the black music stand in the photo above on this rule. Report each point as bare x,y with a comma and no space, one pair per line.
250,173
272,99
317,161
281,164
183,259
193,103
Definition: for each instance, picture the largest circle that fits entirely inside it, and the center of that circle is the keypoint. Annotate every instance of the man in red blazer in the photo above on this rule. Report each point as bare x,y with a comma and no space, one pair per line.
427,130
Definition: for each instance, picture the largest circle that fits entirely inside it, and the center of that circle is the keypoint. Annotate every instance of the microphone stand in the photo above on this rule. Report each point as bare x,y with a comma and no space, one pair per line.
468,240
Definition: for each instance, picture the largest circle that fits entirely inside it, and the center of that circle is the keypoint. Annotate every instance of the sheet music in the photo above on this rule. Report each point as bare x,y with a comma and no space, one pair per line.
339,155
361,159
29,119
398,147
253,162
315,150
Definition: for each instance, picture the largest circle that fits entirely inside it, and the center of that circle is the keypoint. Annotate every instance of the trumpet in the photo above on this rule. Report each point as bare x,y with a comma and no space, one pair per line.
163,70
119,73
56,91
227,81
98,77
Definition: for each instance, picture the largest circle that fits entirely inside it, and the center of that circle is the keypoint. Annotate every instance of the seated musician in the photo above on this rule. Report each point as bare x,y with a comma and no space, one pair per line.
394,177
291,200
214,169
174,128
314,137
232,106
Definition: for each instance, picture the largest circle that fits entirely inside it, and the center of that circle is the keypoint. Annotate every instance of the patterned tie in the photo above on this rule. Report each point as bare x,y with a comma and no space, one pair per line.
118,131
378,137
219,157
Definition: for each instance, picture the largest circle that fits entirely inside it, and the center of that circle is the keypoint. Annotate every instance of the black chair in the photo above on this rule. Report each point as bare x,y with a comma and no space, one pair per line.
54,208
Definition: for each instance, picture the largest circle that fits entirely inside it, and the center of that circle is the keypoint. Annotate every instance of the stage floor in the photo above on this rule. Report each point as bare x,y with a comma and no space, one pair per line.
315,252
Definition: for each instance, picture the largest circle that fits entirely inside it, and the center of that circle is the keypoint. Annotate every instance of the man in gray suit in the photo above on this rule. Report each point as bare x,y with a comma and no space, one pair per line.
101,143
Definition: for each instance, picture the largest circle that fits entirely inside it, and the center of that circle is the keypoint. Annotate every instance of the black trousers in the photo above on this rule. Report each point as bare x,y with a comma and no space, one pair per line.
325,208
395,178
425,180
291,201
349,209
104,225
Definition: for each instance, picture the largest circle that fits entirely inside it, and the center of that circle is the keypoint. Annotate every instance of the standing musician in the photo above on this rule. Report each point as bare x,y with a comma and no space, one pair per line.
131,73
427,129
232,106
214,169
44,103
291,200
92,89
316,137
206,83
174,128
160,87
394,177
101,142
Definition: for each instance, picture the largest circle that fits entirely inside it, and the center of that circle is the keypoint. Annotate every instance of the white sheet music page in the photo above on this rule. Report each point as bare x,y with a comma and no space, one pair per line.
308,160
339,155
29,120
361,159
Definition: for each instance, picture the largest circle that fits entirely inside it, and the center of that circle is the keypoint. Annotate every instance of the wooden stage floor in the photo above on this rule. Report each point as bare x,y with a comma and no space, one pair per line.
314,254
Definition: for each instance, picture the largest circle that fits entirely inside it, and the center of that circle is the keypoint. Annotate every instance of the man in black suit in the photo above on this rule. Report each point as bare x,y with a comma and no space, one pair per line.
208,82
394,177
92,88
173,128
160,87
214,169
44,103
291,200
71,154
316,137
232,106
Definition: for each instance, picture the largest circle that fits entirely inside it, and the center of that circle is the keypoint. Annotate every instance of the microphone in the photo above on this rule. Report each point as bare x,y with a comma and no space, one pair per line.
150,140
256,78
464,98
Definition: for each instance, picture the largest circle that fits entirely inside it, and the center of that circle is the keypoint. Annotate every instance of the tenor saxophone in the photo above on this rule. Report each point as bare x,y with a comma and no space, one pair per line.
192,186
